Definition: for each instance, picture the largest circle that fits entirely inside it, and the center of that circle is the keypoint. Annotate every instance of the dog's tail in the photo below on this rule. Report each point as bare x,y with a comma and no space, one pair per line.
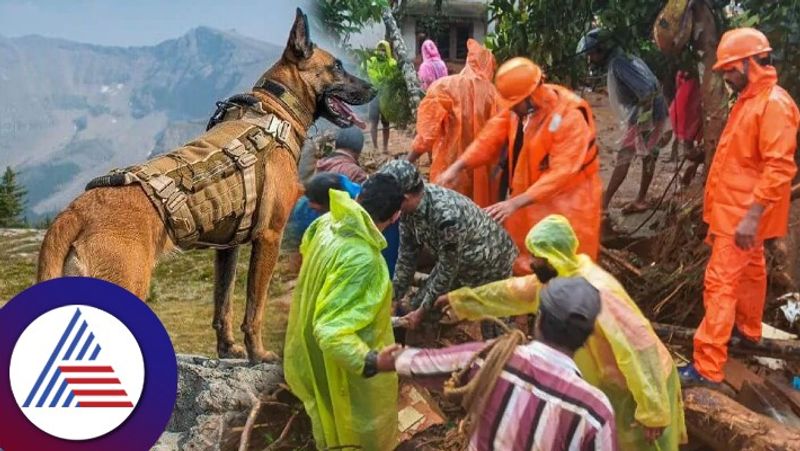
57,243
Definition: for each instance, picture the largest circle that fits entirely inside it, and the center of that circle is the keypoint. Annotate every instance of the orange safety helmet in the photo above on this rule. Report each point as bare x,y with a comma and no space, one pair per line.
516,79
738,44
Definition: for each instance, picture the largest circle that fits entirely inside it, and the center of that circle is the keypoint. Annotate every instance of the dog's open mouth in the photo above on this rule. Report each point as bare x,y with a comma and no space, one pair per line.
341,113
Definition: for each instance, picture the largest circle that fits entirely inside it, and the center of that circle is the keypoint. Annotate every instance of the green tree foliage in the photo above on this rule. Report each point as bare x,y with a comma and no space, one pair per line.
12,200
548,31
780,21
341,18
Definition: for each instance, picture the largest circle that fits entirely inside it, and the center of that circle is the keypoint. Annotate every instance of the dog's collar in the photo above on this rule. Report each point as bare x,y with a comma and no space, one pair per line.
287,99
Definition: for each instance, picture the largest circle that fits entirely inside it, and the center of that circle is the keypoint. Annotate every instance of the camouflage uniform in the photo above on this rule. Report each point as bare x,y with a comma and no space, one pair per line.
470,248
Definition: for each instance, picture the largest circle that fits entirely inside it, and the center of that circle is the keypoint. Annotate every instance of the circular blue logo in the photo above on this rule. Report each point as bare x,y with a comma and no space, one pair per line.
89,367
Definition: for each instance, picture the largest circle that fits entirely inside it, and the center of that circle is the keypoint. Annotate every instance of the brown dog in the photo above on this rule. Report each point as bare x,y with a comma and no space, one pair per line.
116,233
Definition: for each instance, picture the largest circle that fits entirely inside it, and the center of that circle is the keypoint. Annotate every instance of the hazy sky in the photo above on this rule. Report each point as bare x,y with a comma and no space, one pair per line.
145,22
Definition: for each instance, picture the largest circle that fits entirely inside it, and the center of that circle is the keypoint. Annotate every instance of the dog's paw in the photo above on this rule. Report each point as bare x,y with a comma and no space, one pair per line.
264,357
232,351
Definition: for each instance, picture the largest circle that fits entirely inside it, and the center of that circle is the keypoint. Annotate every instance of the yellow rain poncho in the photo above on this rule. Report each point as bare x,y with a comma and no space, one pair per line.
342,310
623,357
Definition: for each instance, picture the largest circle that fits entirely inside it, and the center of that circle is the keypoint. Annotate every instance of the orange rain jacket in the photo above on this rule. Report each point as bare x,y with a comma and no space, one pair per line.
754,161
454,110
558,166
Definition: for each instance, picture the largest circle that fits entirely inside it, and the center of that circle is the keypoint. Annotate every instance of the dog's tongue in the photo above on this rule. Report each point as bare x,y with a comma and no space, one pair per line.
348,113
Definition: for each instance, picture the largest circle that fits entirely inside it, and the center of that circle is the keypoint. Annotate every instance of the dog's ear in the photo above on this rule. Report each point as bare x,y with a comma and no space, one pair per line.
300,46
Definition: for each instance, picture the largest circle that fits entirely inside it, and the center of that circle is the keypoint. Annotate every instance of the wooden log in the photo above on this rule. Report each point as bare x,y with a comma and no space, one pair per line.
723,424
780,349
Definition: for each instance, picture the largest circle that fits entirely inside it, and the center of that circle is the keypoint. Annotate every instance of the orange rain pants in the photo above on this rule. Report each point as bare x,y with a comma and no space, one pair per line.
735,292
454,110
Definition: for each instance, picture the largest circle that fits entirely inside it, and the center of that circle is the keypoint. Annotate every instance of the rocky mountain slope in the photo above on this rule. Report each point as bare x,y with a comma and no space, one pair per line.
71,111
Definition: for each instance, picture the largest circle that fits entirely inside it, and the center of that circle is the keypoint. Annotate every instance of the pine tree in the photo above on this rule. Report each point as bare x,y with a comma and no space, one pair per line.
12,200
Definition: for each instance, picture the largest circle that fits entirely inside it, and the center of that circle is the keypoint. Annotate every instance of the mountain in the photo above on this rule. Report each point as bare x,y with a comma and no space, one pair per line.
70,111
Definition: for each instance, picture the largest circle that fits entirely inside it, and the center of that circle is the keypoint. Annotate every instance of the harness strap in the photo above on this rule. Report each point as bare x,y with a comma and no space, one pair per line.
276,127
287,99
173,201
246,162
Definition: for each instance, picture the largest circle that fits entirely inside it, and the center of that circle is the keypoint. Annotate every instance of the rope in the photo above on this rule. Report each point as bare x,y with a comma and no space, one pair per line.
474,393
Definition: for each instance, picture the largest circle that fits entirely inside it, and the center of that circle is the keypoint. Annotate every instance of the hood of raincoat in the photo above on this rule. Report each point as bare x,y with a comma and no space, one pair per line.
758,79
429,51
386,48
553,239
480,60
348,218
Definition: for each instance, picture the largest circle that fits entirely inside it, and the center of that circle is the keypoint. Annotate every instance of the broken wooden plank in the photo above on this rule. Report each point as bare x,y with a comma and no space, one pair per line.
760,399
737,373
791,395
723,424
417,411
782,349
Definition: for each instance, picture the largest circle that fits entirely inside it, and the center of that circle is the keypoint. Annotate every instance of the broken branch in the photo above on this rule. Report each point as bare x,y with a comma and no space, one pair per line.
244,442
620,262
284,433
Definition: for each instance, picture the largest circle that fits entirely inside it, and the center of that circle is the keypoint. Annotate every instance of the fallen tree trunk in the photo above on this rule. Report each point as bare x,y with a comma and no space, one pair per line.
723,424
780,349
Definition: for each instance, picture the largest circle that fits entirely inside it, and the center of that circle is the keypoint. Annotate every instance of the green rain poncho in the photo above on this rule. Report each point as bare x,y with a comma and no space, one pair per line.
623,357
341,310
385,76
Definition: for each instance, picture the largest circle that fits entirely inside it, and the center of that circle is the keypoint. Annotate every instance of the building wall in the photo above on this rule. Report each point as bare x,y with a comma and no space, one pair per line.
373,33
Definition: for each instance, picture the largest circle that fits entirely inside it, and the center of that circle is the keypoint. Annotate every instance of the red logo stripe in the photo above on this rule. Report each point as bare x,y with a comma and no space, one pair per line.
92,380
86,369
99,392
105,404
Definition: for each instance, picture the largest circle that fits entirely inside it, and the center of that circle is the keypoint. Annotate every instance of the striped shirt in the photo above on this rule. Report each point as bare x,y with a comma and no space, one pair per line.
540,402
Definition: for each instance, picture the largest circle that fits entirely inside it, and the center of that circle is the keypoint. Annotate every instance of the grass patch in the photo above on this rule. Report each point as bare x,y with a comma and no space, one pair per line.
181,294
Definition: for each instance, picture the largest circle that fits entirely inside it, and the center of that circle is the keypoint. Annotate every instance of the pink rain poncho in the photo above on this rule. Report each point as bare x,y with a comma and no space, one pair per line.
432,67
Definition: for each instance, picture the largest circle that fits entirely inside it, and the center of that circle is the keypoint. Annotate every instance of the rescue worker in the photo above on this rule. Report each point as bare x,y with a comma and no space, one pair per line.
470,249
315,202
344,158
432,67
624,358
380,68
340,317
635,96
747,200
552,163
450,116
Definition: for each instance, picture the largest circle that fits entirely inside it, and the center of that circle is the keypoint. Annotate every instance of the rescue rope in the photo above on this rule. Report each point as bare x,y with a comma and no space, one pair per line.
472,395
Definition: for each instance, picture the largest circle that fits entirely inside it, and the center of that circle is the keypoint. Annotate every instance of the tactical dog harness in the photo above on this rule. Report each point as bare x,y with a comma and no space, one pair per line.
207,191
